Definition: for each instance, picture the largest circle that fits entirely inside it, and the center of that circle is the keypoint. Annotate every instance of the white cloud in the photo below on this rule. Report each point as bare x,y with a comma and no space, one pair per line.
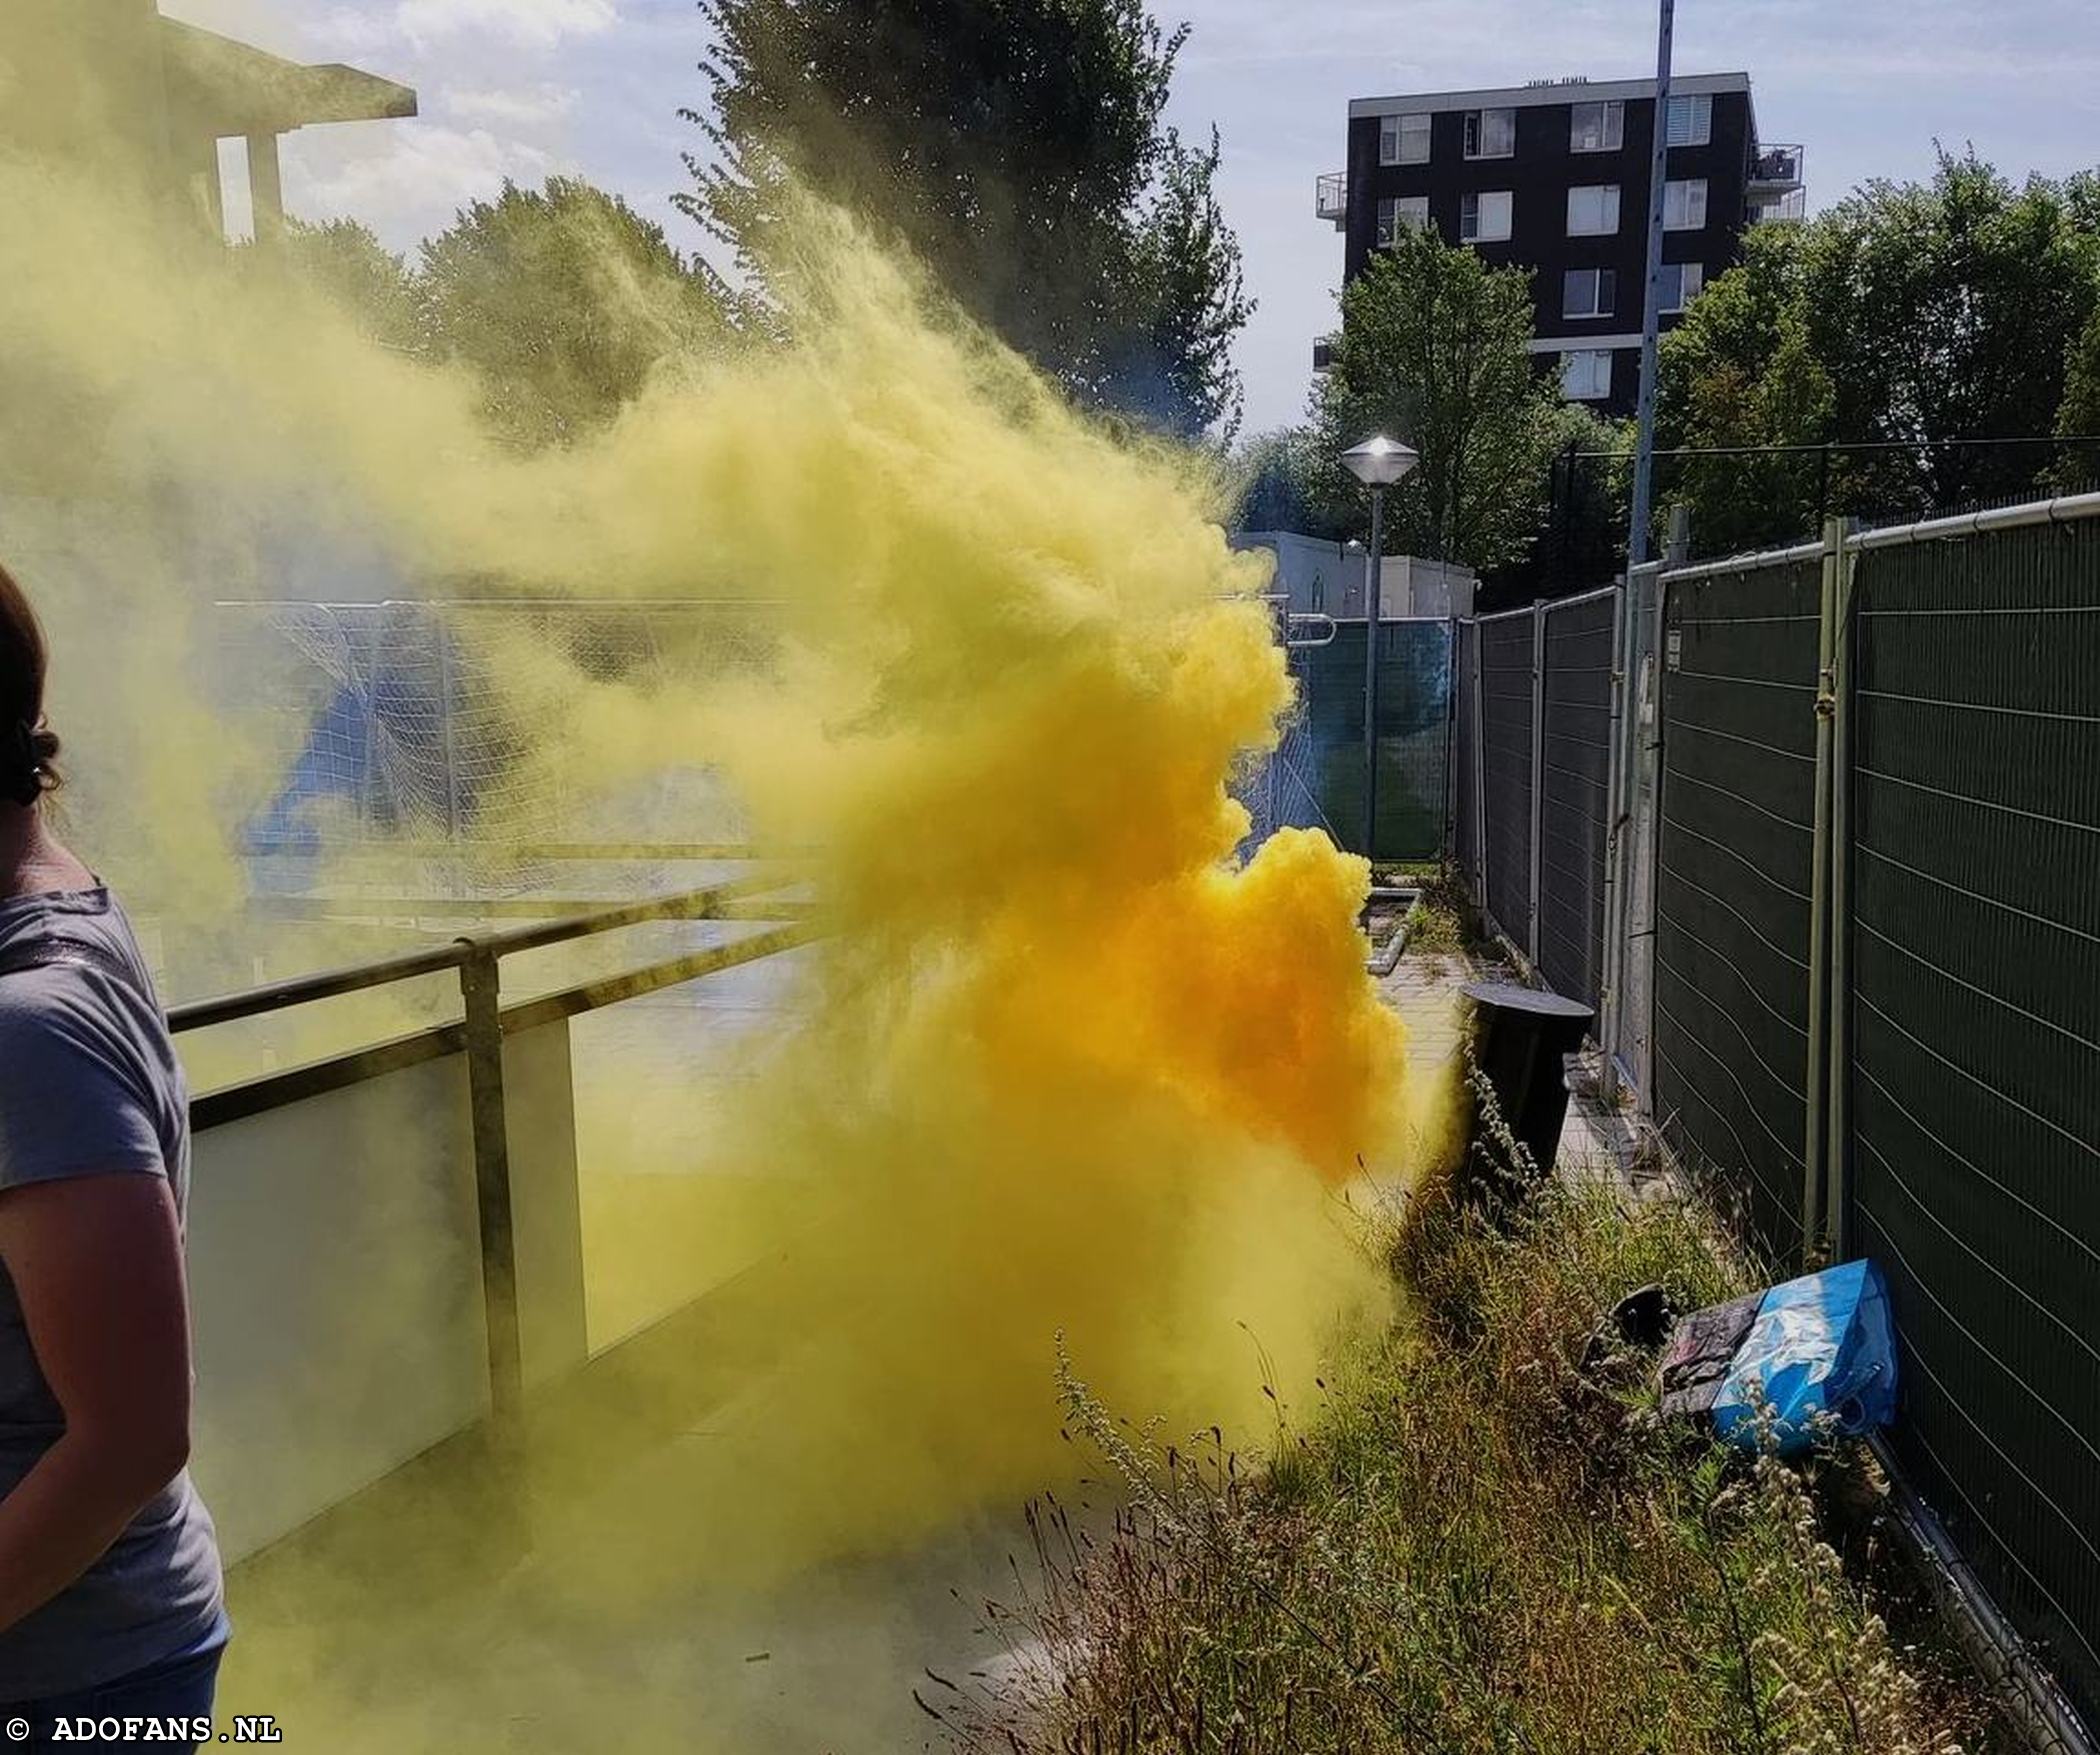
410,187
526,107
538,25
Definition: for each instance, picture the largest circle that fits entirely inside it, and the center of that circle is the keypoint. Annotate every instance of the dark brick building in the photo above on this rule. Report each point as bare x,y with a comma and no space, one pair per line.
1554,177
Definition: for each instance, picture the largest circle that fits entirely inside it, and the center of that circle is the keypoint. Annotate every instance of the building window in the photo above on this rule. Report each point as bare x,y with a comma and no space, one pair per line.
1681,282
1597,127
1585,375
1593,211
1491,133
1691,120
1396,211
1484,218
1403,140
1684,205
1588,292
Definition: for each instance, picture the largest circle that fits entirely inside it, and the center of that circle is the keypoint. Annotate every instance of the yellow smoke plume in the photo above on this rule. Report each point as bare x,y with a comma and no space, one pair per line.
1067,1063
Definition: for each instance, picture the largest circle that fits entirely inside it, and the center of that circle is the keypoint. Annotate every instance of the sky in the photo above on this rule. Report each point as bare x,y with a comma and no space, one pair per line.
525,88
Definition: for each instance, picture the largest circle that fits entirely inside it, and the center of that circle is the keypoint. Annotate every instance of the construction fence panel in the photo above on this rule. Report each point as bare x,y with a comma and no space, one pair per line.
1733,877
1323,751
1973,1101
1506,711
1574,781
1465,757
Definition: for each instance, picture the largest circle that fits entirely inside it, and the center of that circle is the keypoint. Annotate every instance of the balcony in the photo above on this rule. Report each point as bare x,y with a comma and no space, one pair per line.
1331,198
1775,170
1793,204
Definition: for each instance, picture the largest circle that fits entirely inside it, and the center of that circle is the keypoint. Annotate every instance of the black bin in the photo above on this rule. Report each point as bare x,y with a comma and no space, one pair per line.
1522,1038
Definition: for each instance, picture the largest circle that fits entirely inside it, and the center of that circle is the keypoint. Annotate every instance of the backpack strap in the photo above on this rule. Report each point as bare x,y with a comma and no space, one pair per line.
68,953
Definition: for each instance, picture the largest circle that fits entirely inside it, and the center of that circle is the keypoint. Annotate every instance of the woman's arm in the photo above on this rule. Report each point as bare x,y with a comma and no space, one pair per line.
97,1266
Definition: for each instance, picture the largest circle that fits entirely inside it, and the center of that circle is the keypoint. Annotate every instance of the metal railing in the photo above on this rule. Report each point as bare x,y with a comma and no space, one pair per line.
1776,165
478,1035
1331,196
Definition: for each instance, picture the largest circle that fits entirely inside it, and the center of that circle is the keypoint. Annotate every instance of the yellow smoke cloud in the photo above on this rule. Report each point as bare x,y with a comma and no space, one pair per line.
1066,1065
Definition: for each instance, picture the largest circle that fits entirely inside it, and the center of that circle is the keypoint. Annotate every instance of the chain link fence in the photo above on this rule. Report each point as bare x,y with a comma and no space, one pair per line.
423,728
1315,778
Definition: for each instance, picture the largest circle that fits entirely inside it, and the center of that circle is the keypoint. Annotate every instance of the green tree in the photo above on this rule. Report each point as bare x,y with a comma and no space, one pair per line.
2078,468
566,302
1017,148
1740,372
350,266
1909,314
1434,348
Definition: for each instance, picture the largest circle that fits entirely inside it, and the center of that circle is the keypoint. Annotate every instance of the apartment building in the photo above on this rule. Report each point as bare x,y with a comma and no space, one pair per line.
1554,177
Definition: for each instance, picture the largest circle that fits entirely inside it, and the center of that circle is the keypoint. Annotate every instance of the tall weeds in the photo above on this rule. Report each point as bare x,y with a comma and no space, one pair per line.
1482,1539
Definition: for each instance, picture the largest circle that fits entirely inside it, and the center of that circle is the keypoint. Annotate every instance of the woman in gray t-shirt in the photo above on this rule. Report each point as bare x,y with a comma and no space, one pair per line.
110,1597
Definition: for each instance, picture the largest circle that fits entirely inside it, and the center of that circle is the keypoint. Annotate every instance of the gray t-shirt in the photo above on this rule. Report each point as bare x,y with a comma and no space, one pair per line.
89,1085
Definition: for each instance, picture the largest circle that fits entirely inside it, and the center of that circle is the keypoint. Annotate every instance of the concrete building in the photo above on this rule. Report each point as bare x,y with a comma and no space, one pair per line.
113,84
1554,177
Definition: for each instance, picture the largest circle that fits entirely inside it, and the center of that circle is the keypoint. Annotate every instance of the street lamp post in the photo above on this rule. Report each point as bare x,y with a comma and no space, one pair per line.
1378,463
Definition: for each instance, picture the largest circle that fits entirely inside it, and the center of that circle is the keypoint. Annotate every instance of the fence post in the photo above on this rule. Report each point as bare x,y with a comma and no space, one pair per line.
481,996
1538,765
1837,1180
1648,755
1614,816
1449,858
1815,1144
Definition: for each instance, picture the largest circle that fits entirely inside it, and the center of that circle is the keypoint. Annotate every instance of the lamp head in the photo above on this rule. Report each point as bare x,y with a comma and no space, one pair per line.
1379,461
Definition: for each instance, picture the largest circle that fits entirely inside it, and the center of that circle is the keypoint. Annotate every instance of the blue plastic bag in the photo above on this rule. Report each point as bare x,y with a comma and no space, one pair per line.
1821,1356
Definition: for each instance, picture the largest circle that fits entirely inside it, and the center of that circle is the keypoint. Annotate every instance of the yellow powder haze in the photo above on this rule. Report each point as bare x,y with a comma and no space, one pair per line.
1067,1065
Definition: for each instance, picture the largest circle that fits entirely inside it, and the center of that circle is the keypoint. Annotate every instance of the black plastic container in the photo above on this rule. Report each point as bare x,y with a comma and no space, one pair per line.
1522,1038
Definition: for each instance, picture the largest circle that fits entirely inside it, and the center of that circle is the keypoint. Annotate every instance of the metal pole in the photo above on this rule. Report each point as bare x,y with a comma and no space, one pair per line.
1837,1215
1374,582
1651,305
1815,1143
481,995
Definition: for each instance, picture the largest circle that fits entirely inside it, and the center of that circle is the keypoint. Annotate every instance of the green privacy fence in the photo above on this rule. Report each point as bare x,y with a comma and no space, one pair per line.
1968,1000
1316,777
1537,712
1733,879
1849,961
1508,659
1577,641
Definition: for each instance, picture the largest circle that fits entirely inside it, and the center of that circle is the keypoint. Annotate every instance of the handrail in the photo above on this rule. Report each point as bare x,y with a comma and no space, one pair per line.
276,996
314,1078
1753,563
2065,509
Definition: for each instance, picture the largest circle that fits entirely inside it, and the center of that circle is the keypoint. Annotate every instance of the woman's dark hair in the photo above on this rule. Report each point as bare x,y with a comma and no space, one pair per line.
28,747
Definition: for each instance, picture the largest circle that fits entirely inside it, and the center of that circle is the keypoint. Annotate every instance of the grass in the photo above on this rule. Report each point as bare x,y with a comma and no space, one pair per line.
1483,1538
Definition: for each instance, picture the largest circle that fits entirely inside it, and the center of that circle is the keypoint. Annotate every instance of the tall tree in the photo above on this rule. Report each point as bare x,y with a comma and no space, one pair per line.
346,261
565,301
1017,148
1910,313
1434,348
2078,467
